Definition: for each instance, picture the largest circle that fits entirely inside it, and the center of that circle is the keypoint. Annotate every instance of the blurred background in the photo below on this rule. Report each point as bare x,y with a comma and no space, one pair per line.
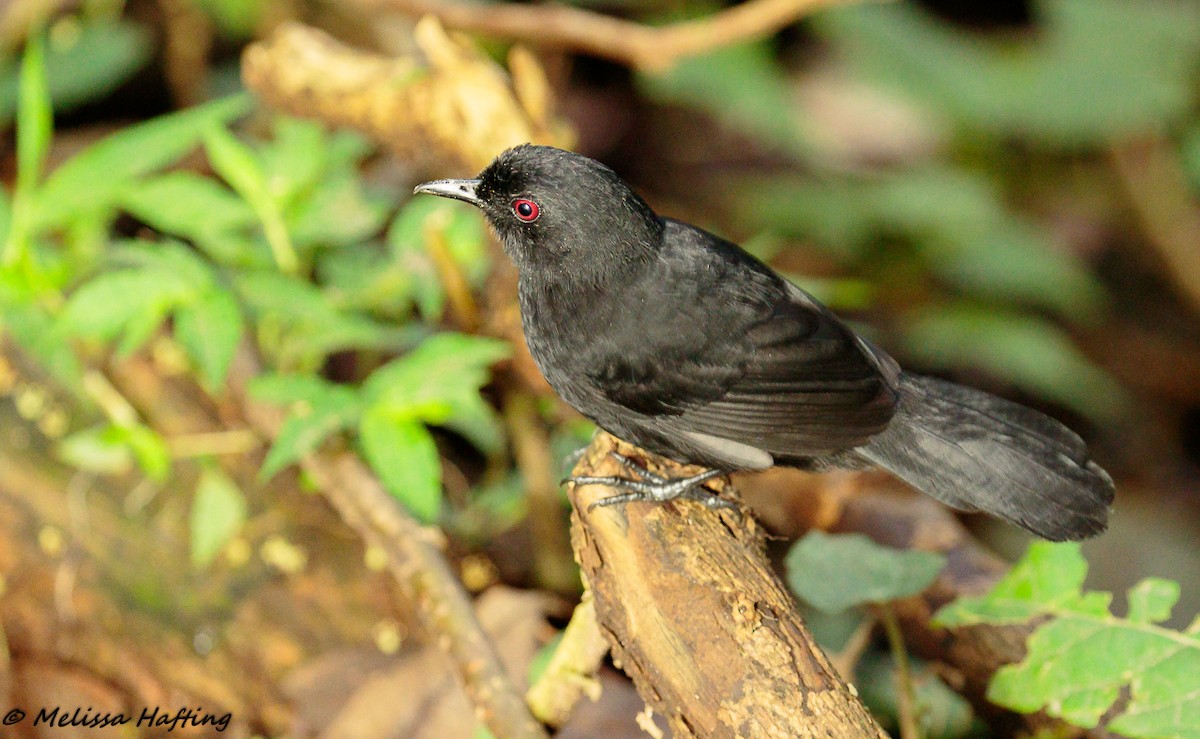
1006,194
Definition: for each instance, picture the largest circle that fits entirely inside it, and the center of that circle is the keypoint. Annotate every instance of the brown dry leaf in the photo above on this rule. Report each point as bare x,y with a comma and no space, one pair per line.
355,694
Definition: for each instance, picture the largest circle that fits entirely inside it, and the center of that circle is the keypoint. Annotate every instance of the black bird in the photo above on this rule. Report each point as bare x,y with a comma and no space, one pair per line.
682,343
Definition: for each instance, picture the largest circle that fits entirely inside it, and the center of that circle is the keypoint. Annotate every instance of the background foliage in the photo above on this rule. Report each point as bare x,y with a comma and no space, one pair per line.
1005,195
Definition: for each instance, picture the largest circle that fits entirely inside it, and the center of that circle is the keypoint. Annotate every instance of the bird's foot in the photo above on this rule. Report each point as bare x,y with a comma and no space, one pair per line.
653,487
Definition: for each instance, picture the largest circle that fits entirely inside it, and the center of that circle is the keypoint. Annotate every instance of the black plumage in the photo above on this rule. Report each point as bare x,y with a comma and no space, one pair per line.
687,346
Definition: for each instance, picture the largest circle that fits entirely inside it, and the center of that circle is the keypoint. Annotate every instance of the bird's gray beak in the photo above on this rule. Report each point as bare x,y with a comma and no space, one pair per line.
463,190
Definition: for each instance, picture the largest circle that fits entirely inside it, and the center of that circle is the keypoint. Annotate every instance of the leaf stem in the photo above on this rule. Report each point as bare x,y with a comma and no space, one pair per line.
905,699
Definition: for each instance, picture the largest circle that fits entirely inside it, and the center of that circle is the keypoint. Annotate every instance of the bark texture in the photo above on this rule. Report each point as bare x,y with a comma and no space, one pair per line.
699,620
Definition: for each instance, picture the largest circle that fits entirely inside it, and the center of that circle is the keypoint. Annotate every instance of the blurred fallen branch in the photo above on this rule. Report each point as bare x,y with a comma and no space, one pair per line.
874,504
700,621
571,672
1161,198
652,49
419,567
453,107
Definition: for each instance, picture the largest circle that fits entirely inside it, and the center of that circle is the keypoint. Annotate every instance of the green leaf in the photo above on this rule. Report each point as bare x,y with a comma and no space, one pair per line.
295,160
98,176
237,165
188,205
308,427
98,450
337,213
106,305
1084,658
436,375
362,277
836,571
35,126
35,332
239,18
286,389
209,329
1151,600
312,324
35,117
1077,80
405,457
1028,351
463,233
150,451
941,713
111,450
218,514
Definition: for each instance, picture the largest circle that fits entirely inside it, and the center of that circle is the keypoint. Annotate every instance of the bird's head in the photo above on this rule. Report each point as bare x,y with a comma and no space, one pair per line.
556,210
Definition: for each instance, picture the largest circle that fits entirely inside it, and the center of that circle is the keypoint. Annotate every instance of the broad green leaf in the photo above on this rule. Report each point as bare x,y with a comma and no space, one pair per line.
218,514
141,326
836,571
310,322
1151,600
361,277
477,422
150,451
337,213
35,332
35,117
463,234
269,291
240,18
295,160
209,329
237,165
541,659
1025,350
98,450
176,262
308,427
285,389
1094,70
941,713
96,178
1080,661
188,205
404,455
35,126
103,307
111,450
438,373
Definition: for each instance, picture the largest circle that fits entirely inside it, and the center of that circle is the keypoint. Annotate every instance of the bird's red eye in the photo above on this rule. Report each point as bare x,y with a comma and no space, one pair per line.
526,210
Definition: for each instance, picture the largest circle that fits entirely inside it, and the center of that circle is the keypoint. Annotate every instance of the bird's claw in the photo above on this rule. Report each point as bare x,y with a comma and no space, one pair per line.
653,488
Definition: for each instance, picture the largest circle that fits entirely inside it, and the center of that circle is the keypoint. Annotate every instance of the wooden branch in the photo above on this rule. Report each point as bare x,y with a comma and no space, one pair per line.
874,504
700,621
449,106
1161,198
652,49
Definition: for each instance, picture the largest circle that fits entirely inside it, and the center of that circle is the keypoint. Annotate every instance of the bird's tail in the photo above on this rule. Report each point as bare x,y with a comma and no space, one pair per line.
977,452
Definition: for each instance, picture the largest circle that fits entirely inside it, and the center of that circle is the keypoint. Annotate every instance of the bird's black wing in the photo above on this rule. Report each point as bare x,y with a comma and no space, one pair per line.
762,365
